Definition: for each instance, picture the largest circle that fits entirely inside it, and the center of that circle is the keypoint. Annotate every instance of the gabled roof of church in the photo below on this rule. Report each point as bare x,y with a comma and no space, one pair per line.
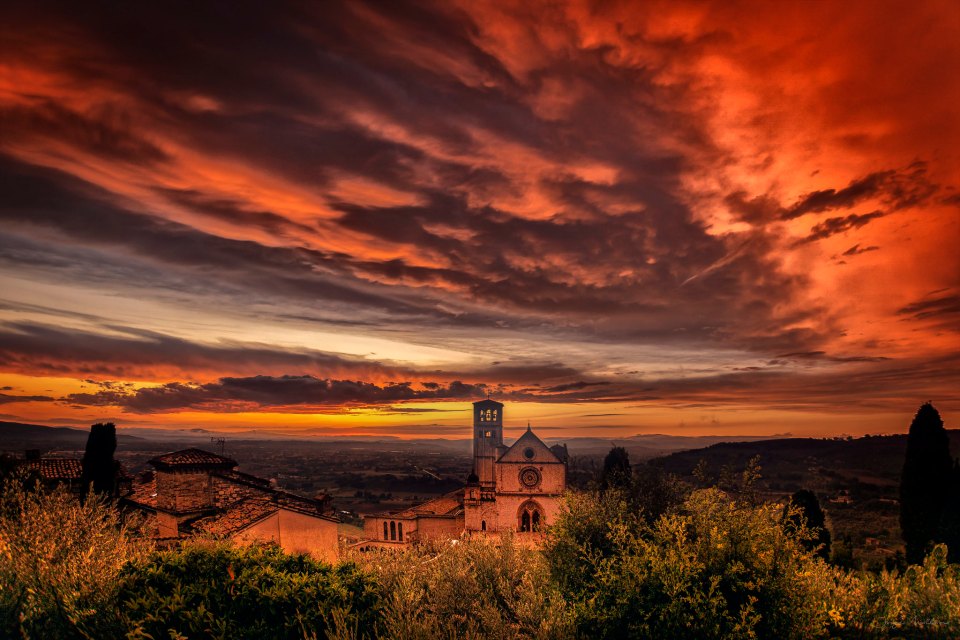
529,440
488,401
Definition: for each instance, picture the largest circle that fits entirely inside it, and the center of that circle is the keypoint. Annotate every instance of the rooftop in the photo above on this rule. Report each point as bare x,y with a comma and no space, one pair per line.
449,504
190,458
55,468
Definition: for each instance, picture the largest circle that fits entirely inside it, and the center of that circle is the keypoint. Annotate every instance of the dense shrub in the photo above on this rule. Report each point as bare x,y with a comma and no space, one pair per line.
713,568
258,592
469,589
60,560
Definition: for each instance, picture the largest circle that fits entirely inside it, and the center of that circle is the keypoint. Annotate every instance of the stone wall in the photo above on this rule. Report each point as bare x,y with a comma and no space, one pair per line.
296,533
184,491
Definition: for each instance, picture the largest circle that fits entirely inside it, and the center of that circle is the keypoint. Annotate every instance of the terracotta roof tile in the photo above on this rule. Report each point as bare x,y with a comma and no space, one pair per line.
235,518
192,458
449,504
55,468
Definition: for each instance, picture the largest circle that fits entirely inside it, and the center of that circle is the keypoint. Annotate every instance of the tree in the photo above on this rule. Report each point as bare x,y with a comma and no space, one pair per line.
807,513
99,467
616,472
949,529
925,482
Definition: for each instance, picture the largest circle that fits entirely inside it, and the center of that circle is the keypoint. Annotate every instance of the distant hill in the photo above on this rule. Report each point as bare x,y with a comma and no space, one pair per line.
857,481
807,462
644,446
15,437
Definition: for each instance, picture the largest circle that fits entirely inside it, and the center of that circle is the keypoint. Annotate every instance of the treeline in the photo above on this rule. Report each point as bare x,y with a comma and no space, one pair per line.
624,562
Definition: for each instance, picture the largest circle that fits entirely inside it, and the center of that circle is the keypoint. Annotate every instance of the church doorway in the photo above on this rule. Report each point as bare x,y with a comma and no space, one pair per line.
530,517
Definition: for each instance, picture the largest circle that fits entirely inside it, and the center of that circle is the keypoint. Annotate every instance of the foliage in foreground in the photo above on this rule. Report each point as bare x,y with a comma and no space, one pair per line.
469,589
715,567
708,566
59,562
223,591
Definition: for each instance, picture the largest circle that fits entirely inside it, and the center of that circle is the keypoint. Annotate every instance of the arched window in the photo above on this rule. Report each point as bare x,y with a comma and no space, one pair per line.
530,517
400,531
386,534
494,414
393,530
483,525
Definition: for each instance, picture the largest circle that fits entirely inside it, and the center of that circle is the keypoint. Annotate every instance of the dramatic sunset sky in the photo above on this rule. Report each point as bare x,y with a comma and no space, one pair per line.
357,218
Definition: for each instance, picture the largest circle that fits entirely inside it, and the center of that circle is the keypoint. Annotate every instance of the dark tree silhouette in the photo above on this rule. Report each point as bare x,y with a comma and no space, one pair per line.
812,515
99,467
949,529
924,483
616,472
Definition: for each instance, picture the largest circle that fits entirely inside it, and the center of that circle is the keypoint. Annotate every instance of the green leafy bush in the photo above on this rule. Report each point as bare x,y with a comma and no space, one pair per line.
468,589
60,560
714,568
217,590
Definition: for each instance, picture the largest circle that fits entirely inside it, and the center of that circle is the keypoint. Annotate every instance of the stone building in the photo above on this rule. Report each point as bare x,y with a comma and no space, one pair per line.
66,472
514,488
194,492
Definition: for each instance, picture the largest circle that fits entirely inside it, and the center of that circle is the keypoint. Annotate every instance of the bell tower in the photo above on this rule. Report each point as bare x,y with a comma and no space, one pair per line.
487,439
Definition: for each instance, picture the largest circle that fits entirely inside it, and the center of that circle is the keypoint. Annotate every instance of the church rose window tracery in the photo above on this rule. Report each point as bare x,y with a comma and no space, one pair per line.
529,477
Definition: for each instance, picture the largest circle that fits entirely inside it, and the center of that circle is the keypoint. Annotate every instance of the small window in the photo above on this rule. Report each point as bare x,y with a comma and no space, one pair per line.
400,531
386,532
483,525
528,453
488,434
393,530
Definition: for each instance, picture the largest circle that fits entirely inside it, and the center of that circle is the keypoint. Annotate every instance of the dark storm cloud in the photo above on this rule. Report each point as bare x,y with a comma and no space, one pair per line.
833,226
943,309
136,353
35,197
106,132
627,264
410,168
231,211
870,381
897,189
857,250
265,392
6,398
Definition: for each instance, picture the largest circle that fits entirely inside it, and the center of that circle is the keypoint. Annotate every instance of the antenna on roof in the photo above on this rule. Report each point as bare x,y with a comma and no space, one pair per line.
219,441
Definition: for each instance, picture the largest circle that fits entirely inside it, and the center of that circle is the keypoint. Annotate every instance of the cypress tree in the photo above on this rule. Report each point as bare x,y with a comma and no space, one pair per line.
616,472
813,516
949,530
99,467
924,483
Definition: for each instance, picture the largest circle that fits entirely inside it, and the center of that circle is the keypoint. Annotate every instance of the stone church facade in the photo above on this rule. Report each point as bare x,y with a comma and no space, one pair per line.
515,488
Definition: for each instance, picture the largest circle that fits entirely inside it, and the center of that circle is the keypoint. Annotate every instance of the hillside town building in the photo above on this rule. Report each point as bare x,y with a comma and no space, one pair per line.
196,492
515,488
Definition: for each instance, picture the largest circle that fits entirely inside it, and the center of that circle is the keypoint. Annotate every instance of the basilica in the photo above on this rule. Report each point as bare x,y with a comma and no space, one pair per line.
515,488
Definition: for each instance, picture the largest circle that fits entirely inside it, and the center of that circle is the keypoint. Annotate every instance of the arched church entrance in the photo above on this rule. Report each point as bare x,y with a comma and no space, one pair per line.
530,517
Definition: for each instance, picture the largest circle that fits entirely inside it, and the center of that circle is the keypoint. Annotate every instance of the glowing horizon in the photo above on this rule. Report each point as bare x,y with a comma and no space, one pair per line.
690,218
